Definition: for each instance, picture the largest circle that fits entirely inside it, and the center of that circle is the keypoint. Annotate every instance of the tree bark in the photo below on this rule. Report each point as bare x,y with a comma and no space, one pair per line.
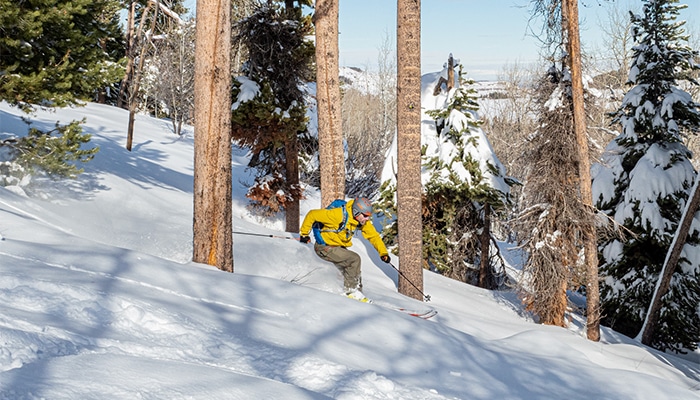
291,154
674,254
213,226
408,185
570,13
330,135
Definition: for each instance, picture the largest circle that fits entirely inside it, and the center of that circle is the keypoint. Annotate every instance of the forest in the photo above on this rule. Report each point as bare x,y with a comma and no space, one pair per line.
585,162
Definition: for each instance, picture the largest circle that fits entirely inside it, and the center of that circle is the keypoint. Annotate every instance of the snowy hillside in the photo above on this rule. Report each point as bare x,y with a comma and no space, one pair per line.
100,301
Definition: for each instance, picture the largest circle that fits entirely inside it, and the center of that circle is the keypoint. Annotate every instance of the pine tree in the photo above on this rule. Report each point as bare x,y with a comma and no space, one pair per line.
461,177
465,181
54,152
273,122
58,52
643,184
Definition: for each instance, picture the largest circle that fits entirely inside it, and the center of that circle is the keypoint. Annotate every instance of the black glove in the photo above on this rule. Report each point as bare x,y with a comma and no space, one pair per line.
386,259
304,239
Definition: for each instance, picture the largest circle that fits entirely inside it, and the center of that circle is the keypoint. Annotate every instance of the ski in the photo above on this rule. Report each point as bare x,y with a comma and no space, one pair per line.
426,314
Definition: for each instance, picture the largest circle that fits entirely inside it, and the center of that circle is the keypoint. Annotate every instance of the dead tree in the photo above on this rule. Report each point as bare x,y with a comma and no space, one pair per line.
674,254
136,43
570,14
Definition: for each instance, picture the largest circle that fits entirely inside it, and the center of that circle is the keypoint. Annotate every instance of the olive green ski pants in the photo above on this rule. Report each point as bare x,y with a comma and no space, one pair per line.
348,262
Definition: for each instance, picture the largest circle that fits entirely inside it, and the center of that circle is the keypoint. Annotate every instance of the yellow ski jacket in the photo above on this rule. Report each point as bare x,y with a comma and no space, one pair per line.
331,220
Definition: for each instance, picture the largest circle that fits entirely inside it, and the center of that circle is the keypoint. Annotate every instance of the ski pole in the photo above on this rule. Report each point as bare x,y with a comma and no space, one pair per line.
425,296
265,235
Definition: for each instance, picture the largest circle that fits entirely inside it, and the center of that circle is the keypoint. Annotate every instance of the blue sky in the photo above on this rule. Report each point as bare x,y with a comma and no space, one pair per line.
484,35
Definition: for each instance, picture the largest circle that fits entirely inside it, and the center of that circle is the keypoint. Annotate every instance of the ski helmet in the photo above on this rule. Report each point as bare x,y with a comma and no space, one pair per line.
361,206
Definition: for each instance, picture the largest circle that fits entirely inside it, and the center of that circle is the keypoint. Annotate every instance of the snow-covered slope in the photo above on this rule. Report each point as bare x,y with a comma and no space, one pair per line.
99,300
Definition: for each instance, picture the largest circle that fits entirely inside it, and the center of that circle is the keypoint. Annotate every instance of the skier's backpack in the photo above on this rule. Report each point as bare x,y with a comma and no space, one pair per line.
318,227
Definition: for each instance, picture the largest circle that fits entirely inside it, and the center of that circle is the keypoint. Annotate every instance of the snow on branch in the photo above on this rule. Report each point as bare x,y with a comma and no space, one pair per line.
167,11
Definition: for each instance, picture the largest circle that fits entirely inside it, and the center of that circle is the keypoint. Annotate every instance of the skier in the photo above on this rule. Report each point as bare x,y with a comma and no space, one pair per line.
333,232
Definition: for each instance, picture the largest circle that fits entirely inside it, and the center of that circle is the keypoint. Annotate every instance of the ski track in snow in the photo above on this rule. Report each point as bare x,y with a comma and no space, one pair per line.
147,285
35,217
159,335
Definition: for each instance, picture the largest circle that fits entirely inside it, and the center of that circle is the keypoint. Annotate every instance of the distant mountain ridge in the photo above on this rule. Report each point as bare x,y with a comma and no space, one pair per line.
368,82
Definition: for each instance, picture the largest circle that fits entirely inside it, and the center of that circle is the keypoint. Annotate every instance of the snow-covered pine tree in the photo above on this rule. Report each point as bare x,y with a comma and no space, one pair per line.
272,123
643,183
461,175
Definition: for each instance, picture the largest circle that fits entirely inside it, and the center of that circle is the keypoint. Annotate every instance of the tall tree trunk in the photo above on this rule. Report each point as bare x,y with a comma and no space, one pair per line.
213,226
291,150
408,185
484,270
101,97
330,134
135,84
570,13
130,40
672,257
